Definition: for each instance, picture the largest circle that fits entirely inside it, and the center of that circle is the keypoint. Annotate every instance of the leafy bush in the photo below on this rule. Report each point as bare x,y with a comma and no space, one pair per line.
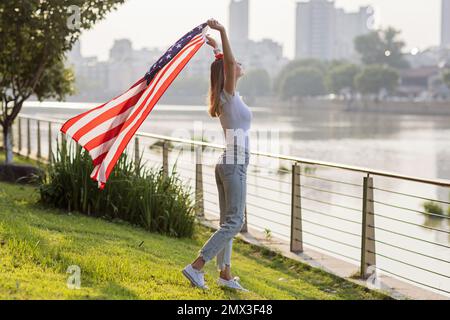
432,207
139,195
303,82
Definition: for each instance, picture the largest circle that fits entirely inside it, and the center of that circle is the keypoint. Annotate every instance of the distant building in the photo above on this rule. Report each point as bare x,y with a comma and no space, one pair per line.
238,21
74,56
445,24
422,82
350,25
315,21
101,80
265,54
325,32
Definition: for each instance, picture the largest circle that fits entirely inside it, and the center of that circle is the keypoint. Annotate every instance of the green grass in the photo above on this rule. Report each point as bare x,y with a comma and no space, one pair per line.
18,159
120,261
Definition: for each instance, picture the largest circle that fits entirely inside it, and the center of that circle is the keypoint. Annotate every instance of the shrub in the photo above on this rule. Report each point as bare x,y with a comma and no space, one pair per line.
142,196
302,82
432,207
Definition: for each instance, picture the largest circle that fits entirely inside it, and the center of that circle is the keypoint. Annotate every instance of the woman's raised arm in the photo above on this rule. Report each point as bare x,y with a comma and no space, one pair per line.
229,63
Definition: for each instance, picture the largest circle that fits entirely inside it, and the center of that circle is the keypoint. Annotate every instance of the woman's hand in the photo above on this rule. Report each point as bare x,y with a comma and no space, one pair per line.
211,41
214,24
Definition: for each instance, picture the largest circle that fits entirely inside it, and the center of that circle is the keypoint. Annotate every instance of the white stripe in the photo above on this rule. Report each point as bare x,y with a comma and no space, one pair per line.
114,148
95,170
111,104
102,148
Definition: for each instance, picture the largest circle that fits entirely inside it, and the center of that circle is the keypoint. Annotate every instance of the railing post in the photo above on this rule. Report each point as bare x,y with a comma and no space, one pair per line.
38,139
136,151
28,137
368,253
50,142
199,205
244,227
20,133
63,137
166,157
296,211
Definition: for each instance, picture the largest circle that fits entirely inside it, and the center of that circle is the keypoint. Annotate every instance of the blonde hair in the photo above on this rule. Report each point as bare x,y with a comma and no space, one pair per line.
216,86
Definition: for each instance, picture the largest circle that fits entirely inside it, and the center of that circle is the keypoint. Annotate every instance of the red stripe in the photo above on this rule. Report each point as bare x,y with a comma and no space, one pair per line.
104,137
155,99
73,120
99,159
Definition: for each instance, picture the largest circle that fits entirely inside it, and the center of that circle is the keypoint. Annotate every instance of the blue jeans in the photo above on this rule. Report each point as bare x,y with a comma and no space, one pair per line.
231,180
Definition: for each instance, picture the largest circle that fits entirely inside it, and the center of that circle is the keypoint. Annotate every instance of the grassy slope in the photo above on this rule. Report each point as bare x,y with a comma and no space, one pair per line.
37,245
18,159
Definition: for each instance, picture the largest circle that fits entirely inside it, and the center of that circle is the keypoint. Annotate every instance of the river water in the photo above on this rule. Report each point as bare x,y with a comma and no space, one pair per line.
409,244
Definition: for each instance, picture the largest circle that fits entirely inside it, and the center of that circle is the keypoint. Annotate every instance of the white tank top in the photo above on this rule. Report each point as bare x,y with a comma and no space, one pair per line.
236,120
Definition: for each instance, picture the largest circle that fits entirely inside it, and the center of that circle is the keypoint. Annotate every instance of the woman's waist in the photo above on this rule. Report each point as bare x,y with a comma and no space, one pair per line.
235,155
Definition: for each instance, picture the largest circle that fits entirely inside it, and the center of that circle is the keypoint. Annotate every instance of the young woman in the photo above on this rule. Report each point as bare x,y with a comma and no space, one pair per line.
231,169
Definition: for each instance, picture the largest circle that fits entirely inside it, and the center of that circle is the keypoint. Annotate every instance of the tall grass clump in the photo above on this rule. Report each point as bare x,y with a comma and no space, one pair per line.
142,196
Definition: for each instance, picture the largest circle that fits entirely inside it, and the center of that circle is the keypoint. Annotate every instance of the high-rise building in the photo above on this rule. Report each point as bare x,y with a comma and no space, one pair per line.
445,23
314,29
264,54
238,23
348,26
325,32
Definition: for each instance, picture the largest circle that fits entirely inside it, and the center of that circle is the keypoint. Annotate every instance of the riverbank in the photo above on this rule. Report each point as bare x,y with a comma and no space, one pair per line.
426,108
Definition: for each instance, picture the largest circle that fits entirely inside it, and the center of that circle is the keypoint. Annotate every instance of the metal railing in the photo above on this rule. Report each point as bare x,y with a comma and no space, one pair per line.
332,208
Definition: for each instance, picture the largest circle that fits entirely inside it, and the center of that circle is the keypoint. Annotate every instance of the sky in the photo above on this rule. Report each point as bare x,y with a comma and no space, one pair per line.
159,23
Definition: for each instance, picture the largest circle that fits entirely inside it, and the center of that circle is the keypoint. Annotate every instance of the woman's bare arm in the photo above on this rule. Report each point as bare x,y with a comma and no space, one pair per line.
229,63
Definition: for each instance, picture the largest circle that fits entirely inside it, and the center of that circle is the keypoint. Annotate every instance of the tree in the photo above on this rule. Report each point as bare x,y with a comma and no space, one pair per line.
256,82
34,36
372,79
301,82
381,47
318,64
341,77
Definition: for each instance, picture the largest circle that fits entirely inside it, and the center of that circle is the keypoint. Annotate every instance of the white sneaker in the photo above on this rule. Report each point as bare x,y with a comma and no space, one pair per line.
196,277
233,283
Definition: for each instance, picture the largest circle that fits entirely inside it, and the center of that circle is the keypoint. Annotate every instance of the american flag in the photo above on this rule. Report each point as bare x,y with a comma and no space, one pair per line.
105,131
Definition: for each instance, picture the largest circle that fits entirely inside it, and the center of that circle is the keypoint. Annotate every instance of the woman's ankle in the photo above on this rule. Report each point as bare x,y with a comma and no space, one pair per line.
198,264
226,275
